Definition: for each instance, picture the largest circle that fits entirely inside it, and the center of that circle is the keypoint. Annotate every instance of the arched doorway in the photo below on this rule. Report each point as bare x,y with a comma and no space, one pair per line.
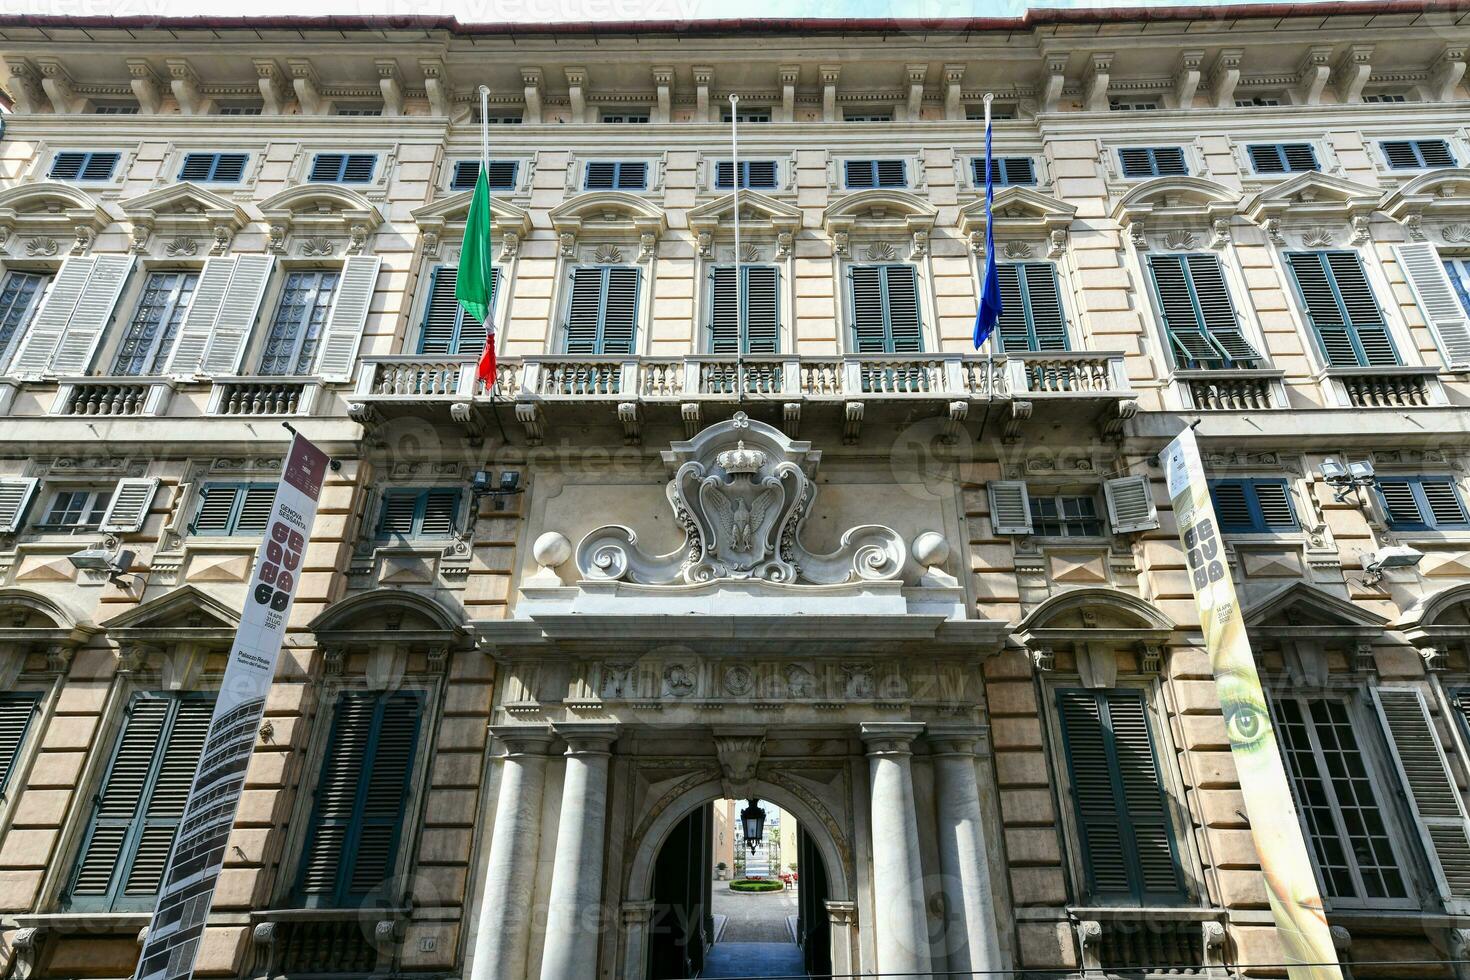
670,875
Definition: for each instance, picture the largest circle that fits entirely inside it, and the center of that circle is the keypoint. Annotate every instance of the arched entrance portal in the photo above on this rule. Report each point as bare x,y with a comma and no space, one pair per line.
670,876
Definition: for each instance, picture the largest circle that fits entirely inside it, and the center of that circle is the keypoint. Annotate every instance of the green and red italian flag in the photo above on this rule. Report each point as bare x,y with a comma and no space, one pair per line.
475,285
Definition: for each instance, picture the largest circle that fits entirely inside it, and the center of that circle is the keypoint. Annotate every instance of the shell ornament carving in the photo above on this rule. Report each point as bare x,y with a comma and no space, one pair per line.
1456,234
741,492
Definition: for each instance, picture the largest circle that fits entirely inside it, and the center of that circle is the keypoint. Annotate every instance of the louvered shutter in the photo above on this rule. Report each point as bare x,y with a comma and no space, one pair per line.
891,173
17,711
1436,153
1169,161
1435,799
15,497
762,309
1399,502
1274,504
584,310
601,175
1400,154
167,796
1130,504
1010,507
1363,313
67,165
1015,334
724,311
1176,305
230,167
860,173
358,168
128,507
1216,309
1436,297
33,356
724,174
1266,158
1044,299
343,331
1118,795
93,312
1445,506
869,336
1299,157
326,167
905,328
1136,162
1231,507
255,508
620,310
198,326
197,166
235,319
760,173
399,510
632,175
441,314
1343,328
216,509
357,822
441,513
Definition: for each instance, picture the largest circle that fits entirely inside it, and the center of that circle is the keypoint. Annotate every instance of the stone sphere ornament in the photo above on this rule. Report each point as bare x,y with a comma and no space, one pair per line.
551,549
930,549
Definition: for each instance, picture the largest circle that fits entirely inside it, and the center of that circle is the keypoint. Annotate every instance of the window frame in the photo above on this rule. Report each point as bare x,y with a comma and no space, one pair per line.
1259,525
373,178
219,156
454,174
1457,269
1427,521
565,316
1153,151
777,182
1280,148
9,346
850,332
232,528
868,115
421,495
1309,324
112,177
175,311
743,306
874,165
263,332
1058,499
1233,286
617,164
1028,310
977,178
426,307
99,497
1415,144
629,116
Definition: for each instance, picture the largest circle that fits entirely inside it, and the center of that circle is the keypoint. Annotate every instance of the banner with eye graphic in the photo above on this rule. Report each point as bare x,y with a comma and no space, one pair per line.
1292,887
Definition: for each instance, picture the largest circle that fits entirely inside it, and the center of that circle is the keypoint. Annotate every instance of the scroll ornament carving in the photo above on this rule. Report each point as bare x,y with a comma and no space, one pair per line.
742,493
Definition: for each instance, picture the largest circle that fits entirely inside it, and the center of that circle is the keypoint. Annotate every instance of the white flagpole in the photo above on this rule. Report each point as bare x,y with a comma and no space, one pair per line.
739,293
485,129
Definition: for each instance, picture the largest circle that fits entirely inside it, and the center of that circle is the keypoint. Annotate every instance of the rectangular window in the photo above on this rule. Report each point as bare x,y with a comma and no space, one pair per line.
885,309
343,168
1123,825
358,109
998,111
874,173
419,512
116,108
83,166
1033,319
20,296
748,321
624,116
1417,154
357,823
1282,158
75,510
501,176
753,173
241,108
216,168
1385,97
751,114
602,316
1199,316
18,709
1065,517
1153,161
1258,102
1457,269
155,325
1422,503
1132,105
1004,171
1341,308
1253,506
447,328
233,508
296,331
867,115
501,117
616,175
136,811
1337,803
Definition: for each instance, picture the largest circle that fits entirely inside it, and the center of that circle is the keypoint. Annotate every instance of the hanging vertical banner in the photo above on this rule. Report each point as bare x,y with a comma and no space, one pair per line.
198,852
1275,830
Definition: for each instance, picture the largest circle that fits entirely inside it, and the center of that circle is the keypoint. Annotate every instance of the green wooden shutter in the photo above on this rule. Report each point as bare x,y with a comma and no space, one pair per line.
1217,312
1341,307
137,811
441,315
868,329
1181,320
357,821
724,311
17,710
1433,795
905,329
620,310
1122,815
762,309
583,311
1015,334
1031,298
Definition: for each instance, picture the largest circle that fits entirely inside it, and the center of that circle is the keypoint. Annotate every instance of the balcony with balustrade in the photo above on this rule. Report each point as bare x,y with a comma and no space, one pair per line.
549,390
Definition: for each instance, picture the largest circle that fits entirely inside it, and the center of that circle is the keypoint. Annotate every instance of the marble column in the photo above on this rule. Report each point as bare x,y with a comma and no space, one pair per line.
574,919
901,929
505,909
964,853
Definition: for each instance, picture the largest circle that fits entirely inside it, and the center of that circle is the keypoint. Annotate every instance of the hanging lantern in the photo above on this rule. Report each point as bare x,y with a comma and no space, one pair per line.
753,823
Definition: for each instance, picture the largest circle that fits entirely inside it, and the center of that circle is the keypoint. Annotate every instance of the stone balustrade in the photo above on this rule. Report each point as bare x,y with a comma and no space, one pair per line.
262,396
1233,391
111,397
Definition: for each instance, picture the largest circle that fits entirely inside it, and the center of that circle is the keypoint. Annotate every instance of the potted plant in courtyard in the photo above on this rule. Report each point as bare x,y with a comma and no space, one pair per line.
721,871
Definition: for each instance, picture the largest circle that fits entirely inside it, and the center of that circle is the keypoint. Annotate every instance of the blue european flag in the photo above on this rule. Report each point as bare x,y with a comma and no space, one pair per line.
990,309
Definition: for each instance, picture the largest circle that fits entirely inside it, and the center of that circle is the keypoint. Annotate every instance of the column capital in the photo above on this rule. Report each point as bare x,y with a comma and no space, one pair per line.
890,737
587,738
638,913
954,740
523,739
842,913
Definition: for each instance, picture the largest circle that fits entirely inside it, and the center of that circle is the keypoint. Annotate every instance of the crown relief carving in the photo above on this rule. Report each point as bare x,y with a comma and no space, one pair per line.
742,493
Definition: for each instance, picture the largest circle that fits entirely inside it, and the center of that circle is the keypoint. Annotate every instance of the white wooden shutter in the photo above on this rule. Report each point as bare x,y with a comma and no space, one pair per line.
237,314
129,505
92,314
15,497
33,355
1432,792
1130,504
1010,507
209,298
1436,297
343,332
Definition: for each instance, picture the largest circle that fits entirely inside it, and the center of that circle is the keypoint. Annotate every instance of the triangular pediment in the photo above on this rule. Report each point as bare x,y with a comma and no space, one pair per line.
184,608
454,209
1313,193
1302,605
186,202
755,207
1018,207
1177,196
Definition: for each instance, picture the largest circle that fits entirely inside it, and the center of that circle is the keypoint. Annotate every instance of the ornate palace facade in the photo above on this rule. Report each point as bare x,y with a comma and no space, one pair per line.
738,524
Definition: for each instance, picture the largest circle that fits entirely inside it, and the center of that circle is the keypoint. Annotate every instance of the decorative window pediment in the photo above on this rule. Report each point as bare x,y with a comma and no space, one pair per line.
1096,623
508,223
1182,200
759,215
54,217
182,210
1439,195
877,213
317,213
185,615
1020,213
1311,196
608,214
389,618
32,622
1305,621
1438,624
